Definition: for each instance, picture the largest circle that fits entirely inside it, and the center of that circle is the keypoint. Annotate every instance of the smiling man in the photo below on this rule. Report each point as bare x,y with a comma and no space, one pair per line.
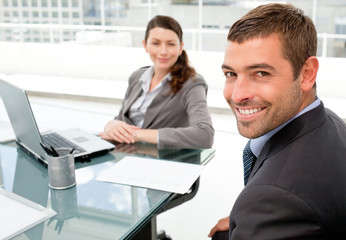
295,161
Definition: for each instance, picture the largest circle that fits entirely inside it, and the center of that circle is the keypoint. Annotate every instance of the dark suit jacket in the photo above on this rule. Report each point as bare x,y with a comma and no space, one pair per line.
297,188
183,119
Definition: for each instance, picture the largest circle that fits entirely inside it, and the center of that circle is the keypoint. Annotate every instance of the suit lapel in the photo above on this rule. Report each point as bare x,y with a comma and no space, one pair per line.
157,105
137,91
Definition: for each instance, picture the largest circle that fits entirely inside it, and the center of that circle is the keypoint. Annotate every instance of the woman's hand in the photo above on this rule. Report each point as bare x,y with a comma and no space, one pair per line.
119,131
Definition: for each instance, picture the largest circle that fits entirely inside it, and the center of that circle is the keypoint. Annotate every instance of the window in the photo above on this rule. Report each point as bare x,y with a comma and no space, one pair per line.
328,16
65,15
54,3
34,3
75,3
64,3
75,15
340,25
5,3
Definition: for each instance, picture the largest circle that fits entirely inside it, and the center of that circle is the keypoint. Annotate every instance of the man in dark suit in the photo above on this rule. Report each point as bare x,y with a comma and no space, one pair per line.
295,174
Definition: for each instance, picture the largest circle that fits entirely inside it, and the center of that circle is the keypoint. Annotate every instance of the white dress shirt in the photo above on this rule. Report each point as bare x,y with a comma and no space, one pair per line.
140,106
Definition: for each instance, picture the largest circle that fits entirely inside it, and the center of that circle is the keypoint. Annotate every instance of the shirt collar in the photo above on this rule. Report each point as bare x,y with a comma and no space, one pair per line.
146,77
257,144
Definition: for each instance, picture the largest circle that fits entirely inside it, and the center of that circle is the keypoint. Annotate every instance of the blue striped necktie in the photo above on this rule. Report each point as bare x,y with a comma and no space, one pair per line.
248,159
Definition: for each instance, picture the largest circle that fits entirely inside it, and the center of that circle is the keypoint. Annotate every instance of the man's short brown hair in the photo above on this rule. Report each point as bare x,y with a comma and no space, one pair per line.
296,31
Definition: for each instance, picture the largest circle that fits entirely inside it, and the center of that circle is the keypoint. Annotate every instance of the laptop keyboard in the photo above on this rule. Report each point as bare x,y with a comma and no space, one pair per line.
55,140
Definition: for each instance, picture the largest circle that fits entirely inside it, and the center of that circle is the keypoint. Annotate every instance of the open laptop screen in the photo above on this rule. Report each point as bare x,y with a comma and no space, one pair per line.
22,118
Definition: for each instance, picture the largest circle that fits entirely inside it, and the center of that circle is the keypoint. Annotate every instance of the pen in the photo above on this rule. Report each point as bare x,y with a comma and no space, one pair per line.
55,154
46,149
72,151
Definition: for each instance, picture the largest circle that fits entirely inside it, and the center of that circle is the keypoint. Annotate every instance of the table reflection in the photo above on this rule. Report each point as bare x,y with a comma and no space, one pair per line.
91,205
31,182
151,150
64,203
91,209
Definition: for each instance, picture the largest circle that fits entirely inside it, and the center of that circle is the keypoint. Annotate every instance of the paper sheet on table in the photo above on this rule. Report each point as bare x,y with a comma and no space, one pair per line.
18,214
153,173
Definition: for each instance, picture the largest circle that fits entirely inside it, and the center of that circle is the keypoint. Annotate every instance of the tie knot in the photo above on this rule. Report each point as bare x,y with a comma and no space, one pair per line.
248,159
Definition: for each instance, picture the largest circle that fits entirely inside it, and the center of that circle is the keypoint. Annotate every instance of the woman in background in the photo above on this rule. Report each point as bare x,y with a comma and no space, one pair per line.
165,103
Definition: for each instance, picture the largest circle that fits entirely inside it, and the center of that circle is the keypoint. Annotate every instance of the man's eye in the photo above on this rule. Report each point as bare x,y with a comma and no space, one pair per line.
230,74
262,74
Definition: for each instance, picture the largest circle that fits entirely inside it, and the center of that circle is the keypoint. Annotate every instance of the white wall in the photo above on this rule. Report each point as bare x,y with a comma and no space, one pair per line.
104,70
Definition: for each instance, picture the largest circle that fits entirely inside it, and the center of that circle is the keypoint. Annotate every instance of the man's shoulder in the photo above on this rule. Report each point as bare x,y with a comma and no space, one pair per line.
334,119
314,124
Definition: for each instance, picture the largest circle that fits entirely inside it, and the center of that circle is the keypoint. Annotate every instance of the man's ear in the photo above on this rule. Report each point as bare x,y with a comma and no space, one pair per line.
309,73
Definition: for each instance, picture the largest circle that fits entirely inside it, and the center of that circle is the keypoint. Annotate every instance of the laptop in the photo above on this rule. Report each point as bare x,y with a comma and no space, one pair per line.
29,137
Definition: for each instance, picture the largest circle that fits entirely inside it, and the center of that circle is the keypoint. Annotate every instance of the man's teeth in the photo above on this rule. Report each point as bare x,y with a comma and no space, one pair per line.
249,111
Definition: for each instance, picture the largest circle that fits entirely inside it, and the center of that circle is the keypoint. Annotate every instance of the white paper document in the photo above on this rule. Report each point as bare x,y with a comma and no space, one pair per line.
157,174
18,214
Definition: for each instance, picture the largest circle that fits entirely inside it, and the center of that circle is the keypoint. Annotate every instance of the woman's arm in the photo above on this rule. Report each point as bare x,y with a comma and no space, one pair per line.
122,132
119,131
146,135
200,132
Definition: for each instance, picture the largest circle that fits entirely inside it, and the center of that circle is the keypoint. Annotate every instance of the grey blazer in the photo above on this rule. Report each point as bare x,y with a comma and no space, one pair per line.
182,119
297,188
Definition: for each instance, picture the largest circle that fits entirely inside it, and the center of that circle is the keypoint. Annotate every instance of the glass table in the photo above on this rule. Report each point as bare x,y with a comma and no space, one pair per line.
94,209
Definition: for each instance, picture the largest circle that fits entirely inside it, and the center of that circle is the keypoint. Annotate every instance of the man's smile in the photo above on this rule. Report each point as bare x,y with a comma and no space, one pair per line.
249,111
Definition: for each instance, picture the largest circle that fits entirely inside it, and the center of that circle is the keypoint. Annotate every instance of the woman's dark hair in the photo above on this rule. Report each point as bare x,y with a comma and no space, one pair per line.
181,70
